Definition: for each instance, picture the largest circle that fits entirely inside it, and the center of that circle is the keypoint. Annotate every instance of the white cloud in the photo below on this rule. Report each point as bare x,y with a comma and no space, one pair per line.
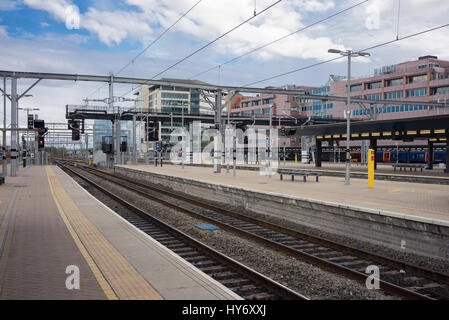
315,6
9,4
111,27
146,18
3,32
114,27
55,7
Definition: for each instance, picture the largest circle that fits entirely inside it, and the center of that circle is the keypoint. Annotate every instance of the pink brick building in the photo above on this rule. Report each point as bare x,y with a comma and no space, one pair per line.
426,79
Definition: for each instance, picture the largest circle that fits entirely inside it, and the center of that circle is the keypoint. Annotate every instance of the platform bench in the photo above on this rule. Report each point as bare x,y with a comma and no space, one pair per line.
304,174
411,166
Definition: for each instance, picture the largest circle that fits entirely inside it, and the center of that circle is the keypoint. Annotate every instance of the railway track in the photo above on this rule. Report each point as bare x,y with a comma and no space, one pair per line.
399,278
244,281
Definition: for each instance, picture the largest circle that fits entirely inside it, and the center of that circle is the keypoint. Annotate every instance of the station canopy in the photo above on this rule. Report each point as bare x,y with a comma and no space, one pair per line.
434,128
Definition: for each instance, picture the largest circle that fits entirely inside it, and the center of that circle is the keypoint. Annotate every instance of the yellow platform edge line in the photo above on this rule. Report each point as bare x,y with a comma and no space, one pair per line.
107,289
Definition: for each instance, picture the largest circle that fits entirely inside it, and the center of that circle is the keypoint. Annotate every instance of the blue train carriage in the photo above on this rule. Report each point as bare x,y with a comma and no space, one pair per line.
409,156
422,156
439,157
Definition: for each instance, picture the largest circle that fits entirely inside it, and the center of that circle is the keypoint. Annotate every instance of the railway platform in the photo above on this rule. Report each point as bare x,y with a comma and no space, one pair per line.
414,201
404,216
383,171
54,233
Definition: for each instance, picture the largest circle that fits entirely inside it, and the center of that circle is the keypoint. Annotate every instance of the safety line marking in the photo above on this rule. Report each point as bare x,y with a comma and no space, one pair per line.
105,286
126,282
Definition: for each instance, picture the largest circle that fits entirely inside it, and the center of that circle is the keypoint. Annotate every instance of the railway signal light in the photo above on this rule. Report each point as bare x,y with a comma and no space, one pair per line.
41,142
75,135
75,126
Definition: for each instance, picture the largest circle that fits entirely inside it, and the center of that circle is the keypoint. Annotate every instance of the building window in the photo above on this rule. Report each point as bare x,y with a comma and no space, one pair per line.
374,85
177,96
417,92
440,90
246,113
356,87
439,76
417,79
266,111
394,95
374,96
394,82
257,112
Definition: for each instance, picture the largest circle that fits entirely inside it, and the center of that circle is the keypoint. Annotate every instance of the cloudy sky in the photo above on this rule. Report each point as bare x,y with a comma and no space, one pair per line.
38,35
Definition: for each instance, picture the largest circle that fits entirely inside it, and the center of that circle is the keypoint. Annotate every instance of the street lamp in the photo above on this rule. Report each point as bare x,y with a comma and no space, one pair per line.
349,54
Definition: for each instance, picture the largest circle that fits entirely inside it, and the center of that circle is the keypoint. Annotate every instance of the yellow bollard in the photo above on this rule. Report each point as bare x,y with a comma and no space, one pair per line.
296,159
371,168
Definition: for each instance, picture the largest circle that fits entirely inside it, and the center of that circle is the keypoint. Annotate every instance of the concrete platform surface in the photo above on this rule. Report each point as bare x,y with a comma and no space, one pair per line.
48,222
383,168
420,202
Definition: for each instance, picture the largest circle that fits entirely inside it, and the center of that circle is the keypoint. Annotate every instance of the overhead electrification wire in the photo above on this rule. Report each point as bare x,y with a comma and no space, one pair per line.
362,50
279,39
216,39
160,36
211,42
151,44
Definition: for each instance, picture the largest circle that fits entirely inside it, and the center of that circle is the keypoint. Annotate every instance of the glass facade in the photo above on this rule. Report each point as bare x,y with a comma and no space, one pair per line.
391,109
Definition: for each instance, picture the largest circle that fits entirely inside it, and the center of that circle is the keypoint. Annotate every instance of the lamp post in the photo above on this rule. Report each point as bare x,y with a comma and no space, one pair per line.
349,54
